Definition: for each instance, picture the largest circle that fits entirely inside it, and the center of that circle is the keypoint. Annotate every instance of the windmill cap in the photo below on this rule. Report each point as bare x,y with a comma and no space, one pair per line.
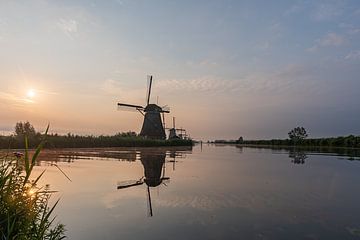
152,108
153,182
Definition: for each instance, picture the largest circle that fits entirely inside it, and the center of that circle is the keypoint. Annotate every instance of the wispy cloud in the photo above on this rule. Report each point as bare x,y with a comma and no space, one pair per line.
124,93
349,28
201,84
68,26
354,31
19,99
296,8
329,40
289,77
354,55
328,11
357,12
14,100
332,39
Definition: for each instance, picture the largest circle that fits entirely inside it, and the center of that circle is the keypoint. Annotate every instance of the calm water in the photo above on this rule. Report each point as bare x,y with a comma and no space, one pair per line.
208,192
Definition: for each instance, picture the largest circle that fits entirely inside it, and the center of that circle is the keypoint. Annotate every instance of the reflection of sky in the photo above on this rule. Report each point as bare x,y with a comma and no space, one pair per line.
247,68
217,192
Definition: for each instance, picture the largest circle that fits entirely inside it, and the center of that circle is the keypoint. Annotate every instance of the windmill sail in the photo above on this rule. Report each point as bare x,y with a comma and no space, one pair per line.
129,107
150,211
130,183
148,92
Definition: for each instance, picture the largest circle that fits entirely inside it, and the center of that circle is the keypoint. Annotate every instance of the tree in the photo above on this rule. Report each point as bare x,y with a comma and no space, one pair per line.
240,140
24,129
297,134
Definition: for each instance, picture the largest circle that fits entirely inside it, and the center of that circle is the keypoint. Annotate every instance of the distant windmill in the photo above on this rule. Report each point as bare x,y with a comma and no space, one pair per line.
152,126
173,132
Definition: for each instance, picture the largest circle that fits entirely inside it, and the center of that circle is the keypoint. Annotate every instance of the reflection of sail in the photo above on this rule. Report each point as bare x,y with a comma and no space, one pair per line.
298,156
154,174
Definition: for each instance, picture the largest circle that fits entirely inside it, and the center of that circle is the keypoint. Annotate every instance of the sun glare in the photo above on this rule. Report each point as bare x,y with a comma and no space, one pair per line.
30,93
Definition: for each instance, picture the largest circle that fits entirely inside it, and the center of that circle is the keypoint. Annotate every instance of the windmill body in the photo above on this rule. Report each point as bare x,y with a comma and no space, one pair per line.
172,134
152,127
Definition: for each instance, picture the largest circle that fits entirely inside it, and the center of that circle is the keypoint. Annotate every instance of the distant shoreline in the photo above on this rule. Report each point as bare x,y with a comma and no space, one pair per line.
282,146
350,141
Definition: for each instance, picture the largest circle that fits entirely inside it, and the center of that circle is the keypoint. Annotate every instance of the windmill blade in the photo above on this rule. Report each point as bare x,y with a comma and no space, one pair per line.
165,108
129,107
164,111
150,211
129,183
165,180
148,91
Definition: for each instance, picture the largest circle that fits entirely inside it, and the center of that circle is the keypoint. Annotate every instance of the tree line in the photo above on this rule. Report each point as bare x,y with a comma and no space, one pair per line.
342,141
299,137
54,140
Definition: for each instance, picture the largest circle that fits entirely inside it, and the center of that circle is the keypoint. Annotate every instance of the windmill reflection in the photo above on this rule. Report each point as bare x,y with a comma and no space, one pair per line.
298,156
154,174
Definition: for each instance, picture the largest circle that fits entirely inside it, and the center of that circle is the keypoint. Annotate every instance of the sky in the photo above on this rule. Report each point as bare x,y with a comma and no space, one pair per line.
225,68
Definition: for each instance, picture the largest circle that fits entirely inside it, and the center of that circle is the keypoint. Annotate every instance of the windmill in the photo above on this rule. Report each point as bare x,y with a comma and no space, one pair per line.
154,175
173,132
152,126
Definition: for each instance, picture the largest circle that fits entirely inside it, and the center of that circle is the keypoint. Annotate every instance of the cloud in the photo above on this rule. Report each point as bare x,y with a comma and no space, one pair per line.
349,28
328,11
68,26
329,40
354,55
293,10
357,12
18,99
201,84
292,76
332,39
14,100
128,94
354,31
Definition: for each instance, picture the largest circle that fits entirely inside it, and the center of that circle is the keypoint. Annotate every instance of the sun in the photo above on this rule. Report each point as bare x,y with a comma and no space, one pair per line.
30,93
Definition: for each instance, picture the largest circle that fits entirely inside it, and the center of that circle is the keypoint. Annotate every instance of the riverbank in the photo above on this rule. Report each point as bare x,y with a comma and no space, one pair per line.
350,141
76,141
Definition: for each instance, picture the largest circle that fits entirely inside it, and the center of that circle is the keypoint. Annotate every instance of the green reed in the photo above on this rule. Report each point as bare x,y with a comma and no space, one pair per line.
25,212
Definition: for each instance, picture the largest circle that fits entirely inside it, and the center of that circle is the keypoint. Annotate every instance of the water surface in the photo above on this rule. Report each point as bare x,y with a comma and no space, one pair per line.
208,192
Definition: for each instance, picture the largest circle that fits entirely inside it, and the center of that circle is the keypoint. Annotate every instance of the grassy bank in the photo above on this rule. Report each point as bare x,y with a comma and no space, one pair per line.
350,141
76,141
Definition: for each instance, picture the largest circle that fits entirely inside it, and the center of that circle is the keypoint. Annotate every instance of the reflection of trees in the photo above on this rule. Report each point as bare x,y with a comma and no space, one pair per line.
298,156
240,148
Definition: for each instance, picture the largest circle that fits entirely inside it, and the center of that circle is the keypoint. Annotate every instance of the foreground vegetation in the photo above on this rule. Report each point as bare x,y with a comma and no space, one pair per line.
128,139
24,206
